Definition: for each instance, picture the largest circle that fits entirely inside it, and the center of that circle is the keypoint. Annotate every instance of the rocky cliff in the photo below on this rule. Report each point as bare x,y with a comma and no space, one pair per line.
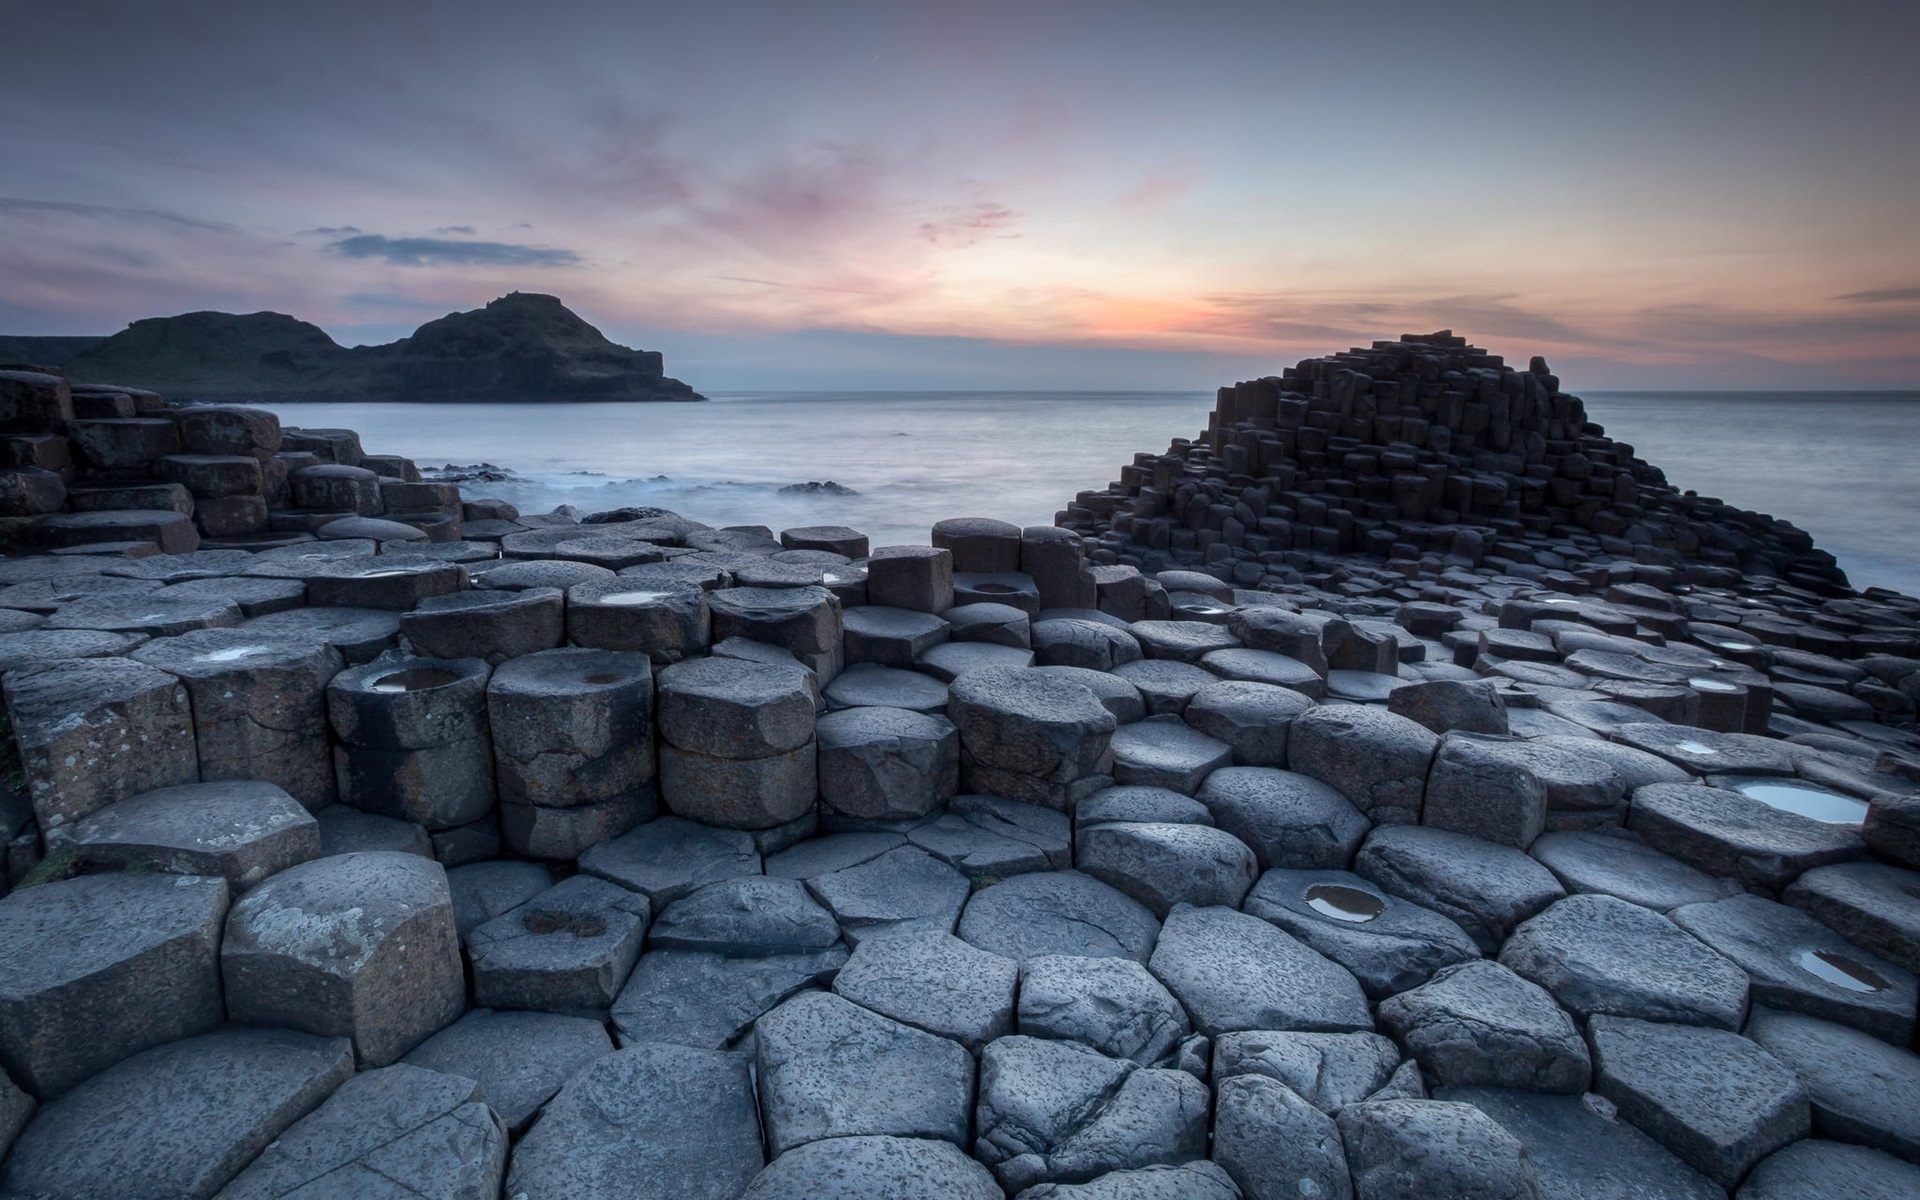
522,346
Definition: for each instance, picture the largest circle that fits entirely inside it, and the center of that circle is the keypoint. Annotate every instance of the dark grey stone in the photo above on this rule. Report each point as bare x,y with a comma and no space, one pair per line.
1486,889
1815,1170
1185,1181
487,623
748,916
1289,820
902,890
1328,1070
1582,1151
568,949
1620,864
1234,972
1723,832
1251,718
709,1001
100,967
1274,1144
1162,752
519,1059
829,1068
1149,804
1162,865
1114,1005
1478,1023
357,945
872,1167
241,831
933,981
666,859
887,764
1718,1101
1600,955
397,1133
1419,1149
177,1121
1389,944
649,1120
1058,912
987,838
1372,757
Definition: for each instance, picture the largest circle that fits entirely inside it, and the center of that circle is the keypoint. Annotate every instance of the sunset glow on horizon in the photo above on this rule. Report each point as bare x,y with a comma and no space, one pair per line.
988,195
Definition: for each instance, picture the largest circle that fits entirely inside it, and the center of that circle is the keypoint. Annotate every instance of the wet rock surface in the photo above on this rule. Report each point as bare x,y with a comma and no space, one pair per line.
1398,791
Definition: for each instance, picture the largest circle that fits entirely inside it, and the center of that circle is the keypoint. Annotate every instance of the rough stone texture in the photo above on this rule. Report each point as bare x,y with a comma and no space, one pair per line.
1253,719
1114,1005
734,709
572,727
1583,1151
1717,1100
1478,1023
1796,963
987,838
1389,944
1372,757
1054,1111
1058,912
739,793
1327,1070
936,982
708,1001
873,1168
1289,820
1162,752
1452,705
1275,1145
1813,1169
1862,1088
177,1121
91,731
1233,972
519,1059
1162,865
1030,723
258,706
1186,1181
650,1120
666,859
360,945
1599,955
829,1068
490,624
902,890
1486,889
567,949
1483,789
887,764
1723,832
1875,905
748,916
242,832
397,1133
102,967
1419,1149
1622,865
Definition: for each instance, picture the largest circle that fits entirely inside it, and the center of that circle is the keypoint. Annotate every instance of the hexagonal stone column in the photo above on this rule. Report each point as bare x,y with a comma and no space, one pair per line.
738,742
97,968
979,545
337,488
95,730
413,740
1029,735
178,1120
491,623
569,949
665,620
804,620
919,578
573,748
259,706
887,764
396,1131
357,945
241,830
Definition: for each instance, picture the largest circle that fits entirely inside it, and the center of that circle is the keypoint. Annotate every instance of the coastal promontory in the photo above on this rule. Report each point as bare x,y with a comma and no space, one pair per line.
522,347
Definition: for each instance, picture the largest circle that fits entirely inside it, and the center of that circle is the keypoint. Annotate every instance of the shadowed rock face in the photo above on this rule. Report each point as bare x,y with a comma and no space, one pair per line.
522,346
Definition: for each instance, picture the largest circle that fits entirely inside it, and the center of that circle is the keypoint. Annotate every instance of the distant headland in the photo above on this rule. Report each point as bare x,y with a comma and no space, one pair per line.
523,347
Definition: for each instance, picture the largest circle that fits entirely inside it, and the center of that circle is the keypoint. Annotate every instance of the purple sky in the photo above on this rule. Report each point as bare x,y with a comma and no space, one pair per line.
1051,194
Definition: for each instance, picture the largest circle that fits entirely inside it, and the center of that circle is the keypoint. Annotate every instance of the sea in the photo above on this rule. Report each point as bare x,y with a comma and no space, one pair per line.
1845,466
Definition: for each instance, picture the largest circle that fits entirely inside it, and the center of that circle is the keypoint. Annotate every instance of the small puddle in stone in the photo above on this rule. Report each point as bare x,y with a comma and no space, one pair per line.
1344,903
1834,808
393,574
1701,683
1200,610
230,654
1693,747
625,599
415,679
1735,647
1840,971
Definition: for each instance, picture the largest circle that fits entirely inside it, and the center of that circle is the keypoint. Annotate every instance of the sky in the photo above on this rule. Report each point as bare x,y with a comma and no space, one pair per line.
1045,194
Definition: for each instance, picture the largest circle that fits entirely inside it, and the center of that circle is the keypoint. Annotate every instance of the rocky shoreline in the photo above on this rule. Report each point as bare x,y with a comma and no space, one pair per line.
1398,791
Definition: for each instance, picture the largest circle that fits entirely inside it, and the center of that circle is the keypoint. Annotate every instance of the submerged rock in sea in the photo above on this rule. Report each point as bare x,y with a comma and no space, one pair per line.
1328,806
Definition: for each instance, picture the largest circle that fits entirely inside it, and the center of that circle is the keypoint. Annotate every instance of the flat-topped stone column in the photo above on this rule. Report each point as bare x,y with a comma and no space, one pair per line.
803,620
414,740
573,748
737,742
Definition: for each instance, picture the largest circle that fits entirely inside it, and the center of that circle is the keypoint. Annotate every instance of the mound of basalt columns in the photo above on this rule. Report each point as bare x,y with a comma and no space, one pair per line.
1567,844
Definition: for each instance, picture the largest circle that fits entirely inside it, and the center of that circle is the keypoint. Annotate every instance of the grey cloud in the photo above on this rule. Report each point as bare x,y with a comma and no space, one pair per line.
427,251
11,205
332,231
457,230
1883,295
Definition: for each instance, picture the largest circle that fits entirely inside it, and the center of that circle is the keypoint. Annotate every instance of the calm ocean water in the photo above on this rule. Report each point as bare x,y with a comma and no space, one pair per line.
1841,465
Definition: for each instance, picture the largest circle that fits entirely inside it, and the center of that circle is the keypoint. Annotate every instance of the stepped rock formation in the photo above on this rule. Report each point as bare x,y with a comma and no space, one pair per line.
1424,445
361,837
523,346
